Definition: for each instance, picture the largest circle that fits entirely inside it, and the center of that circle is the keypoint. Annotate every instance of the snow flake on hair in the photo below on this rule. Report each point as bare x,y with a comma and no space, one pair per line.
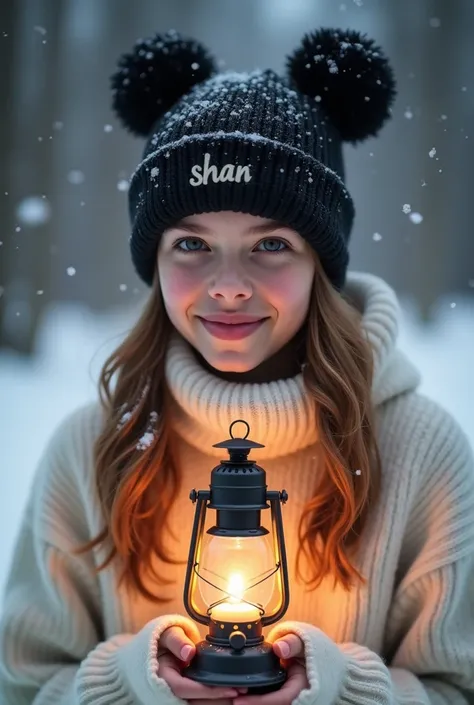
128,415
148,438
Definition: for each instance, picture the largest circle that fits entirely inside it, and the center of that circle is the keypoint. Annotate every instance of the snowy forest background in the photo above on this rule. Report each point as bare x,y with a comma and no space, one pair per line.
67,288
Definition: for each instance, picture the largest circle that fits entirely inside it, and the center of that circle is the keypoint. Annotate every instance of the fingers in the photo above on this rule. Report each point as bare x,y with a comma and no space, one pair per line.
175,640
290,646
179,649
191,690
169,669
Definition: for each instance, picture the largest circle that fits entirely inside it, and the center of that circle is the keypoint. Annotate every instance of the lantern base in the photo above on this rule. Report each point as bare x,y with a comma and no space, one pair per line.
252,667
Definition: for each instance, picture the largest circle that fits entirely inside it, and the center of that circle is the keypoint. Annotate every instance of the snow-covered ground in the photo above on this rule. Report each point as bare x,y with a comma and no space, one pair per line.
36,394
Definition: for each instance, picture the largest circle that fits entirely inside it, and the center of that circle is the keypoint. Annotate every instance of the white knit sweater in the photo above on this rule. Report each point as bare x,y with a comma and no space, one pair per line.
68,636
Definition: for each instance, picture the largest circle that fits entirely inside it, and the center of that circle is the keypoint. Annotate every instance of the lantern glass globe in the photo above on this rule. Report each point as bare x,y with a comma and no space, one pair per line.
233,565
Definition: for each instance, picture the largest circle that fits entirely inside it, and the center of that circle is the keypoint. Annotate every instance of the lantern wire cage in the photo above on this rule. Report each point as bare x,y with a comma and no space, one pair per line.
266,575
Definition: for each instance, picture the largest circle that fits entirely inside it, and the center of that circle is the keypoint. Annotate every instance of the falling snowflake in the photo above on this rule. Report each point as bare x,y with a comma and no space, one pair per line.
76,177
377,237
123,287
432,152
416,218
108,128
408,114
33,211
71,271
435,22
453,305
123,185
406,208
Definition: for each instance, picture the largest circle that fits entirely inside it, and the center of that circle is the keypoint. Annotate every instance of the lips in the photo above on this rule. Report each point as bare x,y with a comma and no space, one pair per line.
232,319
231,331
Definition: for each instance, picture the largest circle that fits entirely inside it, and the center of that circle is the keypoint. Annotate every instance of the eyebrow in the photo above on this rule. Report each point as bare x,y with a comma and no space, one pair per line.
260,229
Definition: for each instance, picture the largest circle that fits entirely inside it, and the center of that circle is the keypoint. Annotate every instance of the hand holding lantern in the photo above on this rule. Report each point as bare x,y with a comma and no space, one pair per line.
238,572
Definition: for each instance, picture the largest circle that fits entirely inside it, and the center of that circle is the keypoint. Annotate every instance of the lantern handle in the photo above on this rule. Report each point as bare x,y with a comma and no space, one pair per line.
276,499
239,421
201,497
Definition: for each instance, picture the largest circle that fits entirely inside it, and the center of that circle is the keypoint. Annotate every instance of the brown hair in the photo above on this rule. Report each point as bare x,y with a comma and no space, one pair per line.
338,376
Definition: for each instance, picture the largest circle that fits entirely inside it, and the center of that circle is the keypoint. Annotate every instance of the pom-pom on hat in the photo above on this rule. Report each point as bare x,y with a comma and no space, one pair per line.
258,142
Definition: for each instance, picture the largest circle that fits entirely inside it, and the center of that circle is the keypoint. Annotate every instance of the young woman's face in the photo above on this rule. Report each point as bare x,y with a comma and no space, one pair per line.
230,262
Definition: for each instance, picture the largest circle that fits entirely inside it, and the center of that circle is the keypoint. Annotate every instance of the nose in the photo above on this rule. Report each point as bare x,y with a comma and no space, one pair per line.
231,282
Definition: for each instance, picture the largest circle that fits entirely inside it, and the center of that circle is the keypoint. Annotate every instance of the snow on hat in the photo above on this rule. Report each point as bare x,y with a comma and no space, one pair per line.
258,142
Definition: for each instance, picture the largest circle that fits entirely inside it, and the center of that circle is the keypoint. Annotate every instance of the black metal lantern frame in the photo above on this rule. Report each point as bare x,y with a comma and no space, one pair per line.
234,652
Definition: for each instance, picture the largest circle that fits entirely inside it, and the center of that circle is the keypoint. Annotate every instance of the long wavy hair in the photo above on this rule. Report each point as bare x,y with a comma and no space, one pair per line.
136,440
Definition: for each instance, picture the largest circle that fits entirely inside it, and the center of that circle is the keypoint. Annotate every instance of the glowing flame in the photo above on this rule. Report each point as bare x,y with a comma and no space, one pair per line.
236,587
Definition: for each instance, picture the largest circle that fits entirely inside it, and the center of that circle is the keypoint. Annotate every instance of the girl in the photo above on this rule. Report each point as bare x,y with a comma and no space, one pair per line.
240,213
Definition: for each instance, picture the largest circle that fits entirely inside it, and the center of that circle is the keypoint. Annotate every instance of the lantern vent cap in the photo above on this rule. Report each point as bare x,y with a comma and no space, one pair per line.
238,446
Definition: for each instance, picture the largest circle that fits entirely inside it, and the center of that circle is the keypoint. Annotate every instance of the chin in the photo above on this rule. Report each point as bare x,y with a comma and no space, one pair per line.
231,362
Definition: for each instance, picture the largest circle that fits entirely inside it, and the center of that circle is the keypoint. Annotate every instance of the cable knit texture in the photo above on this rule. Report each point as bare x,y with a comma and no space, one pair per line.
70,637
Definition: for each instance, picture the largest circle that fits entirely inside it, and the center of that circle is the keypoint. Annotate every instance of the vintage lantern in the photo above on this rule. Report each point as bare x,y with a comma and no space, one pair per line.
237,570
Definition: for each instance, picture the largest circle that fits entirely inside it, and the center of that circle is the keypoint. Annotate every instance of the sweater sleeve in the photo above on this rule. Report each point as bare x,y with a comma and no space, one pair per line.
50,648
430,631
53,647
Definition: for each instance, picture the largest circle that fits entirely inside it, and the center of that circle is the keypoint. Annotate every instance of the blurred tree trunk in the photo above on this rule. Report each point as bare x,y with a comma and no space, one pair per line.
27,139
7,51
442,234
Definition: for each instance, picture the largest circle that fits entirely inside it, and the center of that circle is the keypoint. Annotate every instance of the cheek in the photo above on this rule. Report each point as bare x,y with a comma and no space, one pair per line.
178,285
289,291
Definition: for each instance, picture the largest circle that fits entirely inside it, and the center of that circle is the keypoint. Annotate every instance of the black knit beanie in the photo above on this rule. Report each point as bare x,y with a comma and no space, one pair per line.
256,143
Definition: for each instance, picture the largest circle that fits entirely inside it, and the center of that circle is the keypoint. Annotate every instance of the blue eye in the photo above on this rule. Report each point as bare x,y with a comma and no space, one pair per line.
197,240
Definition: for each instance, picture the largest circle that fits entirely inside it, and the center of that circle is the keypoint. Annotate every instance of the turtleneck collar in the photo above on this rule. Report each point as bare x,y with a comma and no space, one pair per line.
280,413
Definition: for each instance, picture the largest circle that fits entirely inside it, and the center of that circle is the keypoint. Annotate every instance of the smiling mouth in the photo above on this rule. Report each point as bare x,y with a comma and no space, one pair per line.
231,331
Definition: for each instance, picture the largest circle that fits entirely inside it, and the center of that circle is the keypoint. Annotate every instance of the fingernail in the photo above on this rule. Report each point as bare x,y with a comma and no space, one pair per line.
284,649
186,652
230,693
